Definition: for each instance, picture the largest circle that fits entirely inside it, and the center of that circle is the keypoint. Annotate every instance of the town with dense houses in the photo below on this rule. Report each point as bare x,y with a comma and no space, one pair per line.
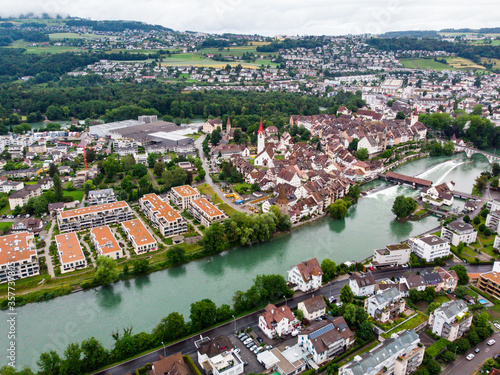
93,196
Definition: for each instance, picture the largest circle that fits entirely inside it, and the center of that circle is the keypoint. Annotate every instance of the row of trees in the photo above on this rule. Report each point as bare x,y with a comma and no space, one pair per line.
91,355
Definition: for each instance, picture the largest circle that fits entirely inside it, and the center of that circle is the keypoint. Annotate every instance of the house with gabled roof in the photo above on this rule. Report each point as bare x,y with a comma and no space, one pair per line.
362,285
313,308
306,276
277,321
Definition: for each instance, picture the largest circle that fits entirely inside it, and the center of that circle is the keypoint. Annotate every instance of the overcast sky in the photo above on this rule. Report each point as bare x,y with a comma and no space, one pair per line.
277,17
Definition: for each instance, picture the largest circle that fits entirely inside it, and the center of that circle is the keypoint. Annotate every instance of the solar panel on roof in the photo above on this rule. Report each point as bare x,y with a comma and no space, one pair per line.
322,331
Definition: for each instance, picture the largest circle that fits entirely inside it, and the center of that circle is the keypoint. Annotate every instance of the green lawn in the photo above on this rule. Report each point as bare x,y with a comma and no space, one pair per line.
198,60
4,210
58,36
39,49
409,324
425,64
75,194
6,225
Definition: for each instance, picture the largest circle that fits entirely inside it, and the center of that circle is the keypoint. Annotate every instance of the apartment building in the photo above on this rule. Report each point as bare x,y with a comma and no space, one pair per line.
94,216
451,320
142,241
493,221
386,305
182,196
396,254
325,340
21,197
489,282
400,355
70,252
457,232
429,247
205,212
163,217
18,257
218,357
103,196
105,242
277,321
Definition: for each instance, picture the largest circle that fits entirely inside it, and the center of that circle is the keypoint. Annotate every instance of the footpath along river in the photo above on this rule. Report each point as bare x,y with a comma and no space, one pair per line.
142,302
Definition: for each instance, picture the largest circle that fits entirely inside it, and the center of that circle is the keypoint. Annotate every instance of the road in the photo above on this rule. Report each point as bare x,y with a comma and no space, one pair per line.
463,366
208,178
187,346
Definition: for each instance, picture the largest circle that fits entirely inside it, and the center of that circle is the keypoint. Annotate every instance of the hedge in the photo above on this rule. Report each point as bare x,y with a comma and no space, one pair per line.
436,348
191,365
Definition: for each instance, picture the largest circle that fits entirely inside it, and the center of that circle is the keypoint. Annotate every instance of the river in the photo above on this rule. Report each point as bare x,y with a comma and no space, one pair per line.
142,302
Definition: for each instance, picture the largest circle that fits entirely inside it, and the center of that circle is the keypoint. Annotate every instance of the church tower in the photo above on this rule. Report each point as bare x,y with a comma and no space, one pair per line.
260,137
282,201
228,126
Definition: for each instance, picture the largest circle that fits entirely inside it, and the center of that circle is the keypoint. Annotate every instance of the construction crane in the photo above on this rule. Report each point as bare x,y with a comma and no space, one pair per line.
84,150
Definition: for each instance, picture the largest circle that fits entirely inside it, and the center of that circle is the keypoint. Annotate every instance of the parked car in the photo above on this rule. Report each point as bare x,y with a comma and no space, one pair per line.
495,357
249,345
497,326
259,349
253,347
476,350
237,350
259,339
491,342
27,216
470,357
268,347
339,304
404,265
247,341
244,338
332,299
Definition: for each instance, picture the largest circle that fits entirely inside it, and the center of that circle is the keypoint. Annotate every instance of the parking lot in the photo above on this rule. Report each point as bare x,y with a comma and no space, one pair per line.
246,355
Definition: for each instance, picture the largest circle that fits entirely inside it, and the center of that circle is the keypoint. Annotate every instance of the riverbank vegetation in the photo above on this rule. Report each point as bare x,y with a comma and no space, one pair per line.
403,207
91,355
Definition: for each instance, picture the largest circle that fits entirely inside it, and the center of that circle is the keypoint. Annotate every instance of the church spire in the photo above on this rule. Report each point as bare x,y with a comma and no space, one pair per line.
261,129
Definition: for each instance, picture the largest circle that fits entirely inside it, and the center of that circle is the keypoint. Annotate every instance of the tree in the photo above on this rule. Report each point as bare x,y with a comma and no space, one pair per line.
400,115
403,206
170,328
203,314
139,170
487,232
177,255
476,220
448,148
448,356
111,166
213,239
473,337
141,266
215,137
362,154
94,355
463,278
159,168
107,271
49,363
461,346
495,169
460,247
338,210
57,188
386,154
329,269
72,363
224,312
460,292
432,306
466,219
52,169
346,294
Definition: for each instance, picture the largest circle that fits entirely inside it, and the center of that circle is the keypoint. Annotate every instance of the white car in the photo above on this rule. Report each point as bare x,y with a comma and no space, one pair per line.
497,326
339,304
491,342
470,357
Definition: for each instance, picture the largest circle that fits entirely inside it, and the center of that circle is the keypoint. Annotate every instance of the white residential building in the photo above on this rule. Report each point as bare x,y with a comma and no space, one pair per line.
18,256
105,242
142,241
182,196
429,247
451,320
386,305
325,340
167,220
362,285
313,308
218,357
103,196
70,252
400,355
457,232
277,321
306,276
396,254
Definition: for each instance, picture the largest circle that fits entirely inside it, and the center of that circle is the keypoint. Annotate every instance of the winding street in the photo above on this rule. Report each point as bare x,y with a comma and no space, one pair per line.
208,178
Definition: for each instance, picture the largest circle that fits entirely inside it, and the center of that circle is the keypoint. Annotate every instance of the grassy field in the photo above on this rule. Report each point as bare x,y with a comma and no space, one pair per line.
479,42
215,199
425,64
59,36
39,49
495,62
461,63
75,194
236,51
198,60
